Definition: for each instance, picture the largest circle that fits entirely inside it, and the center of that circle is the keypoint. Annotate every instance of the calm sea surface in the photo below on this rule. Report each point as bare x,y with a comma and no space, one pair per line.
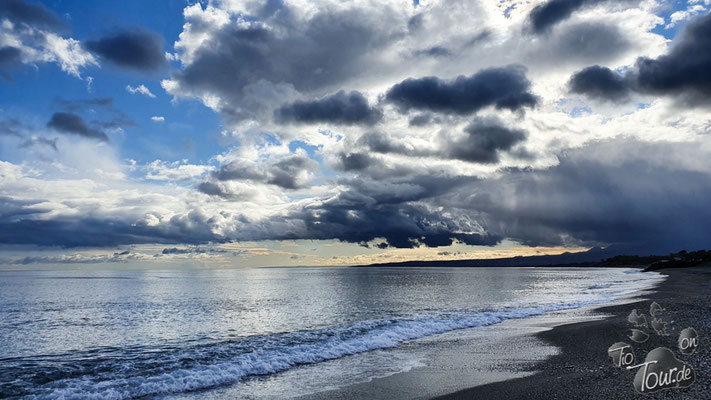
128,334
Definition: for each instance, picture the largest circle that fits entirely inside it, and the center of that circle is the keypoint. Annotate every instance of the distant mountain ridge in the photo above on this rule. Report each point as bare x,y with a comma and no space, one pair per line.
612,256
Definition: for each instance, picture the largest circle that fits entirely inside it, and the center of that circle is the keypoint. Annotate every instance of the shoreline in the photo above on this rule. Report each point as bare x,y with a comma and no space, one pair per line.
582,368
469,359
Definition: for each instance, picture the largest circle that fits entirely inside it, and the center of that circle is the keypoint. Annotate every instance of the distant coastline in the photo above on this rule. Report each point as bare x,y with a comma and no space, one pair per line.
610,257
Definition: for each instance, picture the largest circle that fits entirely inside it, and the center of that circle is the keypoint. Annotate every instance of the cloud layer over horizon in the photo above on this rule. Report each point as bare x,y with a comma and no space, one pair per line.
386,124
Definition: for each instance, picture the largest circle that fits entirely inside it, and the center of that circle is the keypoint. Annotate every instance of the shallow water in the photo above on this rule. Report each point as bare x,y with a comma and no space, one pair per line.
129,334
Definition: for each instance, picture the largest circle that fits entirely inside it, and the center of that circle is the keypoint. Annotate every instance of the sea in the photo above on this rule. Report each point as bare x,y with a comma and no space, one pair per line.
264,333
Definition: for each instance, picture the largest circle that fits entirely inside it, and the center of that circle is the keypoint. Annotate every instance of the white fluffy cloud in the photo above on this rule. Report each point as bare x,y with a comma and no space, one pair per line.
35,45
694,7
176,171
140,89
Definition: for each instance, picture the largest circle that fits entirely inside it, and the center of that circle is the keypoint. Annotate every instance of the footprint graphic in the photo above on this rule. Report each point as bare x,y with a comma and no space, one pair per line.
639,320
638,336
655,309
660,327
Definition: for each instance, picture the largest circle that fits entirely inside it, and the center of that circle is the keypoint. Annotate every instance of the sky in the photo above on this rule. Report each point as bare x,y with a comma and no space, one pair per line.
239,133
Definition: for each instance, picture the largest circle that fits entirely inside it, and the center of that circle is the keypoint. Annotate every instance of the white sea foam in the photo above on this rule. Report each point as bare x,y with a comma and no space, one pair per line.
218,364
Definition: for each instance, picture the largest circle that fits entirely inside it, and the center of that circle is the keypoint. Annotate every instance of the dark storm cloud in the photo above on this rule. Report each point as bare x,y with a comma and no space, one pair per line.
94,233
586,42
286,172
372,209
646,196
74,124
212,189
615,192
622,192
503,88
239,170
355,161
33,14
220,189
18,226
484,141
340,108
369,210
687,67
600,83
402,226
546,15
382,142
316,53
10,57
684,72
290,172
105,104
139,49
364,162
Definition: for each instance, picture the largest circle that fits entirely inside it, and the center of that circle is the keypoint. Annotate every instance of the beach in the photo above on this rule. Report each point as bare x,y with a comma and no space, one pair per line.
583,369
572,362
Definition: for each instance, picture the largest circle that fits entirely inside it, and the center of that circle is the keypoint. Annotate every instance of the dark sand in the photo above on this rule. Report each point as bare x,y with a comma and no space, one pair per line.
583,369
